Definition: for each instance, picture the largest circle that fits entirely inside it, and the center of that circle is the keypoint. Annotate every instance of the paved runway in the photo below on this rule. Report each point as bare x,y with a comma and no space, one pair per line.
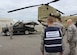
23,45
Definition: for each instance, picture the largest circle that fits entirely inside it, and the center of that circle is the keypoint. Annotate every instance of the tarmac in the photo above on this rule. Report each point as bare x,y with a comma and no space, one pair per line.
24,45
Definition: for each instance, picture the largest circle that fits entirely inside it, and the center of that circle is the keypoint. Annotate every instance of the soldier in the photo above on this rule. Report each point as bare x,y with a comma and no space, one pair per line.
11,30
50,24
71,36
59,24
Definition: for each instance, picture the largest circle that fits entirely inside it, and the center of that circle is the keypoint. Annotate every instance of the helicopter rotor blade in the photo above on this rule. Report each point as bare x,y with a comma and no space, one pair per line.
59,11
23,8
30,6
52,1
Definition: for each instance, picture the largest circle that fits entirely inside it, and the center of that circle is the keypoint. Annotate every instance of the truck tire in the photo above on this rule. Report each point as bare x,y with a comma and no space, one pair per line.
7,33
2,33
26,32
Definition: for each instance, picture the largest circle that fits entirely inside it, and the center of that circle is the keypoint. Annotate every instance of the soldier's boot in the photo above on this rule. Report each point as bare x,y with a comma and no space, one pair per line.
11,37
61,53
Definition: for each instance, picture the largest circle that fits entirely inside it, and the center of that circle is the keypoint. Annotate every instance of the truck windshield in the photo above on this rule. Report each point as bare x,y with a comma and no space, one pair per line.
16,24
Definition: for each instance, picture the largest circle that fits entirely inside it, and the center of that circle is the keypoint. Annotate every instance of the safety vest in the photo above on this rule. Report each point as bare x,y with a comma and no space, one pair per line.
52,40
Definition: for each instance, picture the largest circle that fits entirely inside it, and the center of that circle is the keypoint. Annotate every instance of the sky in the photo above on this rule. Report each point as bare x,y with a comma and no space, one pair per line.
31,14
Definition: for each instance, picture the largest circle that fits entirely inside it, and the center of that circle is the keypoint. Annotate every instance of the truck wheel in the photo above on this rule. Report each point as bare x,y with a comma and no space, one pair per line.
7,33
2,33
26,32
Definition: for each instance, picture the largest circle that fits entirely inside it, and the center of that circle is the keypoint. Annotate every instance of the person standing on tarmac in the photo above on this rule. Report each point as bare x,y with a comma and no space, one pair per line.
59,24
51,39
71,36
11,30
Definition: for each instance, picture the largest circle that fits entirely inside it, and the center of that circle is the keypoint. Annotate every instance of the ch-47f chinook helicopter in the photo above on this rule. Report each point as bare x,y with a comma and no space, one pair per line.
43,11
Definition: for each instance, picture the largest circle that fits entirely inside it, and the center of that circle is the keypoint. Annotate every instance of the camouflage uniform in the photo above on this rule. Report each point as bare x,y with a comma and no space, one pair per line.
72,38
60,25
11,31
42,41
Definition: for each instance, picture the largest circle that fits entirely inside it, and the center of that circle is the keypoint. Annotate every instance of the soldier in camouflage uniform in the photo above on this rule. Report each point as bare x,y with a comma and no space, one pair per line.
11,30
71,36
62,28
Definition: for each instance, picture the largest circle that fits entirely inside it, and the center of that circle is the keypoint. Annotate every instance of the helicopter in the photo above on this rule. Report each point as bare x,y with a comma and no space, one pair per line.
43,11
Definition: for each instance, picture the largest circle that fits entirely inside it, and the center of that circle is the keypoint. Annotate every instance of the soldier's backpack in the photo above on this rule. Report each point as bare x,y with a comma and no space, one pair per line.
52,39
